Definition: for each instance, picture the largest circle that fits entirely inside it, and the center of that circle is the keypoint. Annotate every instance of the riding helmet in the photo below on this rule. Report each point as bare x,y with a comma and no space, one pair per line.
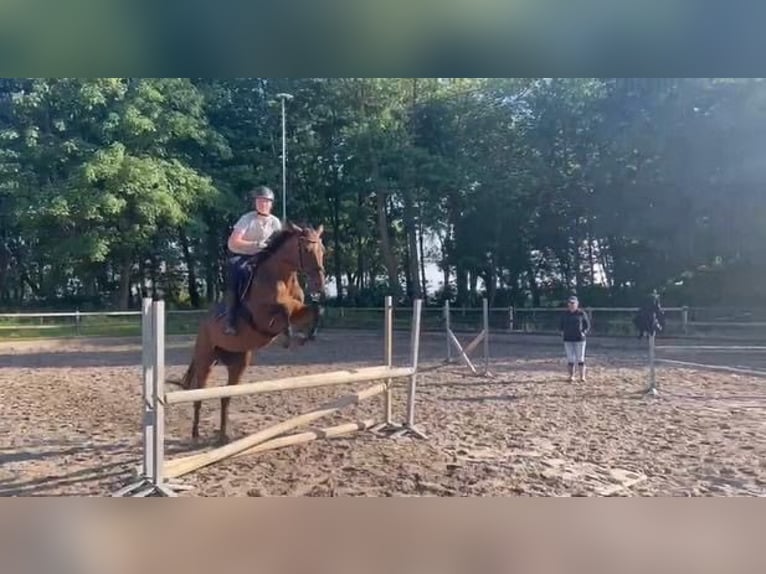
263,191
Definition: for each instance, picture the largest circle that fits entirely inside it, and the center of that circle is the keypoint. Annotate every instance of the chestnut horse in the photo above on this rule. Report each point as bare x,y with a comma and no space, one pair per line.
274,304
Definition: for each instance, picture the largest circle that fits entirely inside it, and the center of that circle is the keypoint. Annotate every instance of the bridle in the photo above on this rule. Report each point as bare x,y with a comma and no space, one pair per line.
302,240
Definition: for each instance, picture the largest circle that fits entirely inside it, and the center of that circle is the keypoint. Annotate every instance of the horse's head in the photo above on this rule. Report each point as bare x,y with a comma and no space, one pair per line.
309,255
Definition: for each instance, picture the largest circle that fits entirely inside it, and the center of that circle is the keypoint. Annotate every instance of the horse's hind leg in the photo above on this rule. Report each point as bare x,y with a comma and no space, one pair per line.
195,422
236,363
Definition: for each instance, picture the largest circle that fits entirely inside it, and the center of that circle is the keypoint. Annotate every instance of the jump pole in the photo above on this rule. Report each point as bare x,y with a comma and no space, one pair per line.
409,427
151,480
652,391
464,352
388,426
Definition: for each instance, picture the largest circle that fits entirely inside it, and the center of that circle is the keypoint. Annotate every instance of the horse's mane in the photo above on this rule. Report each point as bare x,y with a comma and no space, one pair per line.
273,245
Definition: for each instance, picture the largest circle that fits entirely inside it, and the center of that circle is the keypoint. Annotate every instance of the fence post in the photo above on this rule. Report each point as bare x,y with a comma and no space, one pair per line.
652,390
510,319
389,356
485,305
685,319
447,327
77,322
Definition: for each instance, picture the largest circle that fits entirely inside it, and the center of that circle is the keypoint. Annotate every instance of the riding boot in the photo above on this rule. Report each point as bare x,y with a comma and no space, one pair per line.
230,327
582,373
571,370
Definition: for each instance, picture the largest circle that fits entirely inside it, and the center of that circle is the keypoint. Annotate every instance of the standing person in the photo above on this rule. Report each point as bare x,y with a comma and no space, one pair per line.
650,317
574,327
250,234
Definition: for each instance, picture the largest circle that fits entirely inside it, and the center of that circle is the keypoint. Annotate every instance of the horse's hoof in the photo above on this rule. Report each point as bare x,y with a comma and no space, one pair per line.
223,439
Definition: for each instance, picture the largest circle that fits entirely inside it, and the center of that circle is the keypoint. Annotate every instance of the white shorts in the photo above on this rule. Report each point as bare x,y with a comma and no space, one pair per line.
575,351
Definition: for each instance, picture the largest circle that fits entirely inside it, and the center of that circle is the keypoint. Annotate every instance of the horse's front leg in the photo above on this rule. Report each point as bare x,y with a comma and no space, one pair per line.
279,321
306,319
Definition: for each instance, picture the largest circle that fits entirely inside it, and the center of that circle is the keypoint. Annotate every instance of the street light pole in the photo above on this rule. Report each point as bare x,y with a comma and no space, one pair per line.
284,97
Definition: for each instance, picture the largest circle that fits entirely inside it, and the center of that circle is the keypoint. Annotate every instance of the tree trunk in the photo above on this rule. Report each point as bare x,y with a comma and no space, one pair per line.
123,294
408,192
385,241
153,276
423,281
461,276
472,292
337,243
533,287
190,268
491,285
408,280
413,268
4,267
591,261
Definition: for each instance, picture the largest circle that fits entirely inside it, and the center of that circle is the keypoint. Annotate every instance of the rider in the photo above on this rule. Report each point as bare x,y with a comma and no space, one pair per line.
250,234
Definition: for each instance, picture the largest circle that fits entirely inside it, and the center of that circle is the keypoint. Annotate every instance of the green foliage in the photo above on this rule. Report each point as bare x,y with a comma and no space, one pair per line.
530,189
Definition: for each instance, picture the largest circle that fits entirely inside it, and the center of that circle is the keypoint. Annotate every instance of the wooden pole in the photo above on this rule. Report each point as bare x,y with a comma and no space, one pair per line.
361,375
389,356
187,464
475,343
299,438
463,356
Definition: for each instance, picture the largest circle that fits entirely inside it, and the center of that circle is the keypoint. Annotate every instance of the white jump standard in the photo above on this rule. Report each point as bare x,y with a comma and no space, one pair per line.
464,352
155,471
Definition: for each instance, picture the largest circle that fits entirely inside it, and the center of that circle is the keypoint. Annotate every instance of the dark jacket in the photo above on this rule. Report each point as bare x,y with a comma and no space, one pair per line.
574,325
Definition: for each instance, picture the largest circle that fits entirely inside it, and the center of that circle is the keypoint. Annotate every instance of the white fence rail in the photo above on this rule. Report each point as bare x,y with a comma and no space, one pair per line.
606,321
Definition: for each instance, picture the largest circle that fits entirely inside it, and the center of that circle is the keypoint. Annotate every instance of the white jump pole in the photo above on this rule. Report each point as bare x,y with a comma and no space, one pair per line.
388,427
449,330
486,335
652,390
389,353
464,352
158,391
147,351
151,480
409,426
415,350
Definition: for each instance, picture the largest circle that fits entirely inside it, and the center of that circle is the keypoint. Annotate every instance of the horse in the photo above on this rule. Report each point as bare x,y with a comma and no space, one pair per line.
650,318
272,306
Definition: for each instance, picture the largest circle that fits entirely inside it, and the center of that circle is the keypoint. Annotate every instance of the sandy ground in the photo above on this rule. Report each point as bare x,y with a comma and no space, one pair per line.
70,424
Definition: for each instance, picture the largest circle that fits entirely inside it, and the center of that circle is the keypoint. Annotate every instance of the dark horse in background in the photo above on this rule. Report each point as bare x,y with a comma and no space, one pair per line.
650,318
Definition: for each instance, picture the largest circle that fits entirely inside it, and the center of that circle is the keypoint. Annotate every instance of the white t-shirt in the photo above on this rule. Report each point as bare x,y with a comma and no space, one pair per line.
257,228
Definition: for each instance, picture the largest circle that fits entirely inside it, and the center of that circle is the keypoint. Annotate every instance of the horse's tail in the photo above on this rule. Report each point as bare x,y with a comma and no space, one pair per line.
184,382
